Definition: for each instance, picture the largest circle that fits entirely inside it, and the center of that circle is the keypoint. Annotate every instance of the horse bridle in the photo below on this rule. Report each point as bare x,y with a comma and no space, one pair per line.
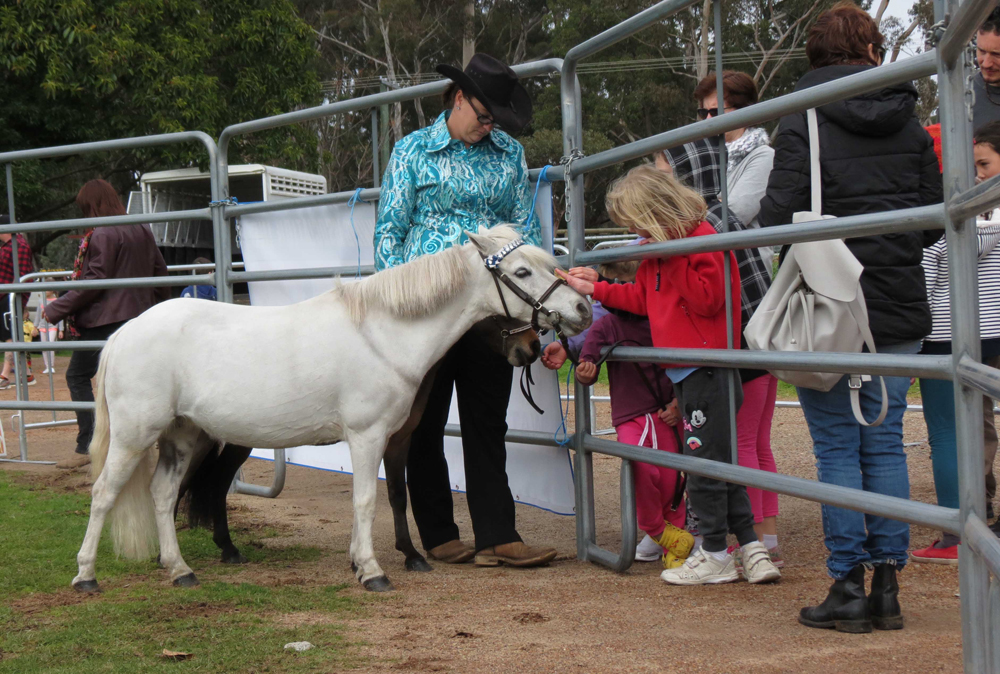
492,263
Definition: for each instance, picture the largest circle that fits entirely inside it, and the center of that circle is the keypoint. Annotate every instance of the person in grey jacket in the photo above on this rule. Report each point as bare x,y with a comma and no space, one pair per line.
750,156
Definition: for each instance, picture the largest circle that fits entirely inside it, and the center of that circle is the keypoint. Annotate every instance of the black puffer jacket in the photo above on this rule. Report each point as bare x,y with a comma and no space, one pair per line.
874,156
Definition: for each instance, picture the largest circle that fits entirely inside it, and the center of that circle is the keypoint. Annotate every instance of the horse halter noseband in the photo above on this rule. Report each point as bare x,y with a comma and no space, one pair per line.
492,263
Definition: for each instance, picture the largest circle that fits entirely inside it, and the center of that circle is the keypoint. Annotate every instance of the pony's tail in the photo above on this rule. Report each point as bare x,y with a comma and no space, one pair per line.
133,518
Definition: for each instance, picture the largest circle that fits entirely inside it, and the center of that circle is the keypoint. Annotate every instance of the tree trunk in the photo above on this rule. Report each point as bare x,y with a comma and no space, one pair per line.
397,108
706,13
417,103
469,32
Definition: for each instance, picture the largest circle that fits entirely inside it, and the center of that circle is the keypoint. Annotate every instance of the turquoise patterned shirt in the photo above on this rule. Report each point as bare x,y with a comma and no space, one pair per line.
435,189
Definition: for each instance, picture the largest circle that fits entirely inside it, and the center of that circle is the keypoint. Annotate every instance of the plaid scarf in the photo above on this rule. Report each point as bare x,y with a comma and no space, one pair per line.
69,322
696,164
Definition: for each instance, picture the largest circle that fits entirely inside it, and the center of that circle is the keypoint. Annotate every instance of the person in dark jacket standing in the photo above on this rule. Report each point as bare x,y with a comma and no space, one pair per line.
874,156
123,251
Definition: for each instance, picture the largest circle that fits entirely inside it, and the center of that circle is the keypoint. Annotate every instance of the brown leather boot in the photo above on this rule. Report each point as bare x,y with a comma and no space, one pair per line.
452,552
515,554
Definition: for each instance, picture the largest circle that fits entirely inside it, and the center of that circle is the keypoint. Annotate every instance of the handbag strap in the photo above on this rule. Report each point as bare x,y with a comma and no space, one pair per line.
814,172
854,380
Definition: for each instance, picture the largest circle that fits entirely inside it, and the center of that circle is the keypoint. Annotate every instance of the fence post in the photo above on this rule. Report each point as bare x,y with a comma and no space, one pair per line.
583,461
219,177
724,197
956,136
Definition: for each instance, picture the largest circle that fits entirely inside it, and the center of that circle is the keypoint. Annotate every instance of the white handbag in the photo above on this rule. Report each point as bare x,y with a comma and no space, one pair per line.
815,302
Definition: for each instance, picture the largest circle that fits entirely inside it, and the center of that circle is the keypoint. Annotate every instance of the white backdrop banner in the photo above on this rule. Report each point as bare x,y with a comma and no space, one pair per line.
324,236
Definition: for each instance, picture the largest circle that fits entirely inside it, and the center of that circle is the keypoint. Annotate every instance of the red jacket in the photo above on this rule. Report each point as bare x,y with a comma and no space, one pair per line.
684,297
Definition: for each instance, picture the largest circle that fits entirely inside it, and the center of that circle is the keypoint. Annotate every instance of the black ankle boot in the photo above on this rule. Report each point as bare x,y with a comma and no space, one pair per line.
845,608
883,603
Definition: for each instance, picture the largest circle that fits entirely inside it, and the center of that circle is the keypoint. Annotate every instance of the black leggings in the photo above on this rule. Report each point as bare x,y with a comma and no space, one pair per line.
82,368
721,507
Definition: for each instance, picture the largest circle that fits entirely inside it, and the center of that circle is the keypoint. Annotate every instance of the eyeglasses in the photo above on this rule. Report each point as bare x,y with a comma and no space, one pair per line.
483,119
705,113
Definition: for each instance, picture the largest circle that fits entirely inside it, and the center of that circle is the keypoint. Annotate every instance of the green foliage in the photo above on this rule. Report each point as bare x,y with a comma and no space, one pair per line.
227,626
77,71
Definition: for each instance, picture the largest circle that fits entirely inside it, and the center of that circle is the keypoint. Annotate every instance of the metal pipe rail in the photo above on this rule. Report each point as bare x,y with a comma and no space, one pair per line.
370,194
925,514
110,221
298,274
975,200
143,282
961,27
982,377
402,95
915,67
897,365
888,222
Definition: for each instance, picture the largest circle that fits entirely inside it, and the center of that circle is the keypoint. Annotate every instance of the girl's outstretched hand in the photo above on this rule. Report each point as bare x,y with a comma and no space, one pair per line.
580,285
585,273
586,373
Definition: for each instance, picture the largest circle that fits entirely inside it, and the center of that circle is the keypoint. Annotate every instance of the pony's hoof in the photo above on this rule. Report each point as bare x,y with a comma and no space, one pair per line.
378,584
354,567
159,563
418,564
86,586
187,580
235,558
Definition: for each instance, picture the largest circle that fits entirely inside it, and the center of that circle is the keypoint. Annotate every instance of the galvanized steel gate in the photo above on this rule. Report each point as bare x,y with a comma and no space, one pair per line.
979,561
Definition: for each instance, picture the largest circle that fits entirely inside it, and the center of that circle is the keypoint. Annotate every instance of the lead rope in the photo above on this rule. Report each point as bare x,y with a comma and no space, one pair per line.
351,202
564,413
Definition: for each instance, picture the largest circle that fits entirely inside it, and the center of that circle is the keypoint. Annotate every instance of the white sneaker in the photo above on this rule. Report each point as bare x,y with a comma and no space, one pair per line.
757,564
648,550
702,569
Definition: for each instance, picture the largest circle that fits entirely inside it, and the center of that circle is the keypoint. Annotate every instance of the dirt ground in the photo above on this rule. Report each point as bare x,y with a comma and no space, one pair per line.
575,616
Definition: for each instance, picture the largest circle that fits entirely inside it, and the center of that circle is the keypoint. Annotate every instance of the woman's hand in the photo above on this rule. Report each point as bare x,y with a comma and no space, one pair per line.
554,356
60,334
586,373
580,285
671,416
34,333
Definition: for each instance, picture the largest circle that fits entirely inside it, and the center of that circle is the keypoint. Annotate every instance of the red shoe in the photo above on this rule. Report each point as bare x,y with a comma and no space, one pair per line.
934,555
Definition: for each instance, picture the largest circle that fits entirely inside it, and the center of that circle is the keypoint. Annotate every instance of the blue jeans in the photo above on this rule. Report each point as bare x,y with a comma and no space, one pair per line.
851,455
939,414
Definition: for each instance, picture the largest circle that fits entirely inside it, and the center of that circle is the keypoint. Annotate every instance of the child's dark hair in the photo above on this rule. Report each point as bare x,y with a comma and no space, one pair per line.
988,134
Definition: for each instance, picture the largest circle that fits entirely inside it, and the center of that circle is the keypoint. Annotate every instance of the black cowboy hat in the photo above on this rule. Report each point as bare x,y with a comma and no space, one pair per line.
496,87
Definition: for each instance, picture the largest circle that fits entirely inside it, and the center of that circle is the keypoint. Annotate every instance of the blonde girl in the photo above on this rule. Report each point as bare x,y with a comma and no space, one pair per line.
684,297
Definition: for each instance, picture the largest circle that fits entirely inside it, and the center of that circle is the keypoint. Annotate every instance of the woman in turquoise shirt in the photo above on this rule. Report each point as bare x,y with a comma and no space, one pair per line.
462,172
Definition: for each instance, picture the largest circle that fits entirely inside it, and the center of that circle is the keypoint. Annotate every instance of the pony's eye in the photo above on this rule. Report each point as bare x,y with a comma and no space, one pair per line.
523,272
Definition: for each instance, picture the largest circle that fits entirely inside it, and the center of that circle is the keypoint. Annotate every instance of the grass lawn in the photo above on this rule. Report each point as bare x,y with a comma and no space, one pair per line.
226,625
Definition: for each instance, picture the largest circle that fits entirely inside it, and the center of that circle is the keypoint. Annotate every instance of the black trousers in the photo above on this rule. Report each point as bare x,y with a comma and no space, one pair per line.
82,368
721,507
482,379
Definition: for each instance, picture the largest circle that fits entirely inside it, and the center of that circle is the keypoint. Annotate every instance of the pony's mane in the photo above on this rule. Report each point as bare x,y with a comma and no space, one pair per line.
425,284
409,290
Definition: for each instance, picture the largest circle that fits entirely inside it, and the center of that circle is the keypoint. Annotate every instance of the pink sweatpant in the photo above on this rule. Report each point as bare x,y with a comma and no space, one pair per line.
654,485
753,439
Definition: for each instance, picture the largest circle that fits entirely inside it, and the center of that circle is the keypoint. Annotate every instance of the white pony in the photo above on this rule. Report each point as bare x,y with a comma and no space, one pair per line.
187,374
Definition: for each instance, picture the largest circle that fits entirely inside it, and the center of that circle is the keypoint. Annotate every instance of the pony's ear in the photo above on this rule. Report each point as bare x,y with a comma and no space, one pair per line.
481,240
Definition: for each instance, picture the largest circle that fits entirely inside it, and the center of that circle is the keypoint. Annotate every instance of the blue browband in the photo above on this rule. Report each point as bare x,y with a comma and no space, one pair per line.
493,261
